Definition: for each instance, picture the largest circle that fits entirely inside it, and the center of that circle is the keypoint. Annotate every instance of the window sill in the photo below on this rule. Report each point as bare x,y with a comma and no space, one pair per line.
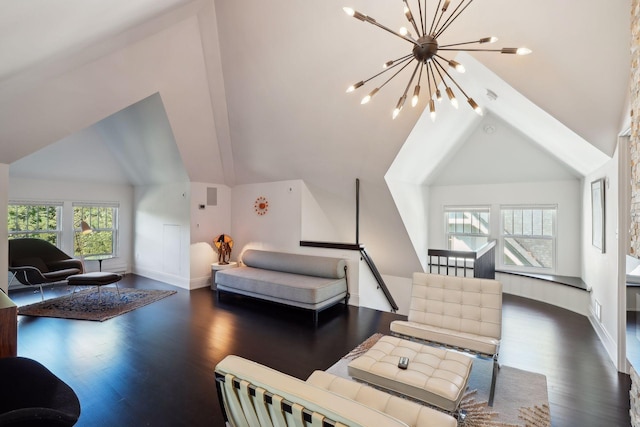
572,281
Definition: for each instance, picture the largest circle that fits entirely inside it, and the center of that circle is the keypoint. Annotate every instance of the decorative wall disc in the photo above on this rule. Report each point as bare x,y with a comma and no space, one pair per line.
261,205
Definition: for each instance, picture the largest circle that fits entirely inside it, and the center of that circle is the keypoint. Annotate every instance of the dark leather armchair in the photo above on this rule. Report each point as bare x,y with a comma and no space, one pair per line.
35,262
31,396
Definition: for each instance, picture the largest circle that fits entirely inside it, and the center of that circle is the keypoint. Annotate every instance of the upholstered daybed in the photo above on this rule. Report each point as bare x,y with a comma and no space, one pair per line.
306,281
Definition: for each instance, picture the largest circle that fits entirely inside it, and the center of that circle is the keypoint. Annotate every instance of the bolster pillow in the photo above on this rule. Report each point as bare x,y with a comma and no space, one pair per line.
308,265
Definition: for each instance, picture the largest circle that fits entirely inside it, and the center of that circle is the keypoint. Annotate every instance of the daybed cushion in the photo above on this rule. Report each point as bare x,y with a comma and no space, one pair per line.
300,280
307,265
313,398
282,286
411,413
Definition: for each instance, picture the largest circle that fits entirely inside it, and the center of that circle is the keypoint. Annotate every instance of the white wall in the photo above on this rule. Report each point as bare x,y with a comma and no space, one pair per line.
278,229
4,249
292,209
206,223
315,225
162,239
412,201
566,194
600,270
31,190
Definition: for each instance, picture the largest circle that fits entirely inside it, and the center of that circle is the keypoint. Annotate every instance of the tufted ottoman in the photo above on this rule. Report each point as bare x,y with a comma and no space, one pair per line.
434,375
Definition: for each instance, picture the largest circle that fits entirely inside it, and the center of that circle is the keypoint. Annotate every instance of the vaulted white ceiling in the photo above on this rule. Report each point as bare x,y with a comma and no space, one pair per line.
254,90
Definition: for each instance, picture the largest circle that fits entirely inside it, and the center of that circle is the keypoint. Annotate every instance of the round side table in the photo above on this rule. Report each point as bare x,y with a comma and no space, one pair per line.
217,267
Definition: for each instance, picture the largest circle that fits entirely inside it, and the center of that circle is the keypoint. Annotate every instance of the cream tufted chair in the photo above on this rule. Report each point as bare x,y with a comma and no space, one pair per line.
254,395
459,312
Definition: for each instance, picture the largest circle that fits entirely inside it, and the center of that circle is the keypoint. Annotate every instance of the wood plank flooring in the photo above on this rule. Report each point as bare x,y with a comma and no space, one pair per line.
154,366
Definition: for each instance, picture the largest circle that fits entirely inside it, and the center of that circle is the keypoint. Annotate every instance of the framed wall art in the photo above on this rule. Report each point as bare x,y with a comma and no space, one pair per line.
597,214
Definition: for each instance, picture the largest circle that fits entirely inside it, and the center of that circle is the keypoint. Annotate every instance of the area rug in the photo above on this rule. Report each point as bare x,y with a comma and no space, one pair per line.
520,399
88,304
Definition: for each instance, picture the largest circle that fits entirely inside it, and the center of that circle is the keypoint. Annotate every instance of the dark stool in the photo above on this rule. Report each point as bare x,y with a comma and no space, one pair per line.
31,395
98,278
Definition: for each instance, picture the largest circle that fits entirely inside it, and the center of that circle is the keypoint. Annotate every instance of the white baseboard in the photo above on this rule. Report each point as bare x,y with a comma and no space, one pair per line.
171,279
607,341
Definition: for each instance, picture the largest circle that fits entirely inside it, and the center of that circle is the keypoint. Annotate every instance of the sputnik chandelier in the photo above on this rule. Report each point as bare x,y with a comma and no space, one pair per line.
426,53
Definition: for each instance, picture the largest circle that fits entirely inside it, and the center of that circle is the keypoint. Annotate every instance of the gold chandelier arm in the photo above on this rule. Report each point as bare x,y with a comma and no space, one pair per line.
390,63
399,61
480,41
452,63
409,16
452,17
471,102
435,83
416,92
415,70
444,70
394,74
364,18
429,80
403,98
505,50
435,15
377,24
422,18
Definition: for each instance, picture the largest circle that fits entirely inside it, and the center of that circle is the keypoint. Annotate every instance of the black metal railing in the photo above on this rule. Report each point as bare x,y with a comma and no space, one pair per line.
482,261
367,259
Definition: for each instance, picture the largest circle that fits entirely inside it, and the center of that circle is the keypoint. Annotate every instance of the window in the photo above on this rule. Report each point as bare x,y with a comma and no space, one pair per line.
40,221
103,220
467,228
528,237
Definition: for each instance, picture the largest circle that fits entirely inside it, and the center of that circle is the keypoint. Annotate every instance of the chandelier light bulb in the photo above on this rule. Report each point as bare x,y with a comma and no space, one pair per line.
416,95
458,66
369,96
387,64
432,110
399,106
438,95
452,98
491,39
354,86
475,106
516,50
403,31
354,13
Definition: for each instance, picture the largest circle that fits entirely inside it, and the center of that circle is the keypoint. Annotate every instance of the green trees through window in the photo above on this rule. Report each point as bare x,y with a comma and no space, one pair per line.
101,240
34,221
44,221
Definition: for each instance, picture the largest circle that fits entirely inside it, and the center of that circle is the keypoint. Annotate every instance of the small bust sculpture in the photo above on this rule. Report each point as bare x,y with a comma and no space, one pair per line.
223,244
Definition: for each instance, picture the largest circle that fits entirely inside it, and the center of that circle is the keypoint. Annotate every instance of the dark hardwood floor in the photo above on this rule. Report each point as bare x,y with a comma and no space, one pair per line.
154,366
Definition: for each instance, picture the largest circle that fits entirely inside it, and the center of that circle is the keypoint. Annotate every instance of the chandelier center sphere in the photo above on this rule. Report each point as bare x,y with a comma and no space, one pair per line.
426,48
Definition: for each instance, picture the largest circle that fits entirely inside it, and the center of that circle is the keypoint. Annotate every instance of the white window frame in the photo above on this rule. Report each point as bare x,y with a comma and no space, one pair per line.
466,209
96,226
530,235
32,233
